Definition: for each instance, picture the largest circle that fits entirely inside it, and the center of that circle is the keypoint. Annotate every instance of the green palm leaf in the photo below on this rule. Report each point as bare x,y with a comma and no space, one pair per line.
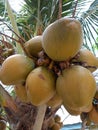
89,20
2,9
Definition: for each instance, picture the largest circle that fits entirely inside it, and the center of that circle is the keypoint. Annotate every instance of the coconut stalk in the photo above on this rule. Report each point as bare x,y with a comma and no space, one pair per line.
38,30
14,25
39,118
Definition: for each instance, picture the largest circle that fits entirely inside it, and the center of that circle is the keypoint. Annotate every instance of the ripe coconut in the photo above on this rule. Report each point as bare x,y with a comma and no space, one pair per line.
55,101
34,45
77,111
76,86
51,122
71,111
21,93
62,39
40,85
88,58
56,126
61,124
15,69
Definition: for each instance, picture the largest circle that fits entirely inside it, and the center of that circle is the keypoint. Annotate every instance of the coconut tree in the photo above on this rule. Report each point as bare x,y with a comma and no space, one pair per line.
32,20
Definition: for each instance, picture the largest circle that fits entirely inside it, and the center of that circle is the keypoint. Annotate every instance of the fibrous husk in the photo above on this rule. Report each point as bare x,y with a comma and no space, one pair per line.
76,86
62,39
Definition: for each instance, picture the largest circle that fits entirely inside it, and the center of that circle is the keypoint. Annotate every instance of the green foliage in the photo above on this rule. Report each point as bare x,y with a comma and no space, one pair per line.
37,14
2,8
89,20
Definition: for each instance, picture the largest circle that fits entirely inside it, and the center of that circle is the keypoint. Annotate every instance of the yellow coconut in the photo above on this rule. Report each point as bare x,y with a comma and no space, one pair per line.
51,122
34,45
56,126
15,69
21,93
71,111
40,85
60,124
76,86
55,101
88,58
77,111
62,39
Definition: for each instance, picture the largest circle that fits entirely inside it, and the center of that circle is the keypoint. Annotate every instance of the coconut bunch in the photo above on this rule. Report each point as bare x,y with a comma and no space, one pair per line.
58,71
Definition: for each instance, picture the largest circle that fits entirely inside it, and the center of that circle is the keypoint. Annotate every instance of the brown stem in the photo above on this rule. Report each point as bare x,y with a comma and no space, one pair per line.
83,125
51,65
13,32
6,44
39,118
39,30
25,51
73,15
9,37
18,41
60,9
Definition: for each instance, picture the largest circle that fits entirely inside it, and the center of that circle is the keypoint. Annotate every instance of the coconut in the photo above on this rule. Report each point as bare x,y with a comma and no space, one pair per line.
15,69
34,45
62,39
77,86
40,85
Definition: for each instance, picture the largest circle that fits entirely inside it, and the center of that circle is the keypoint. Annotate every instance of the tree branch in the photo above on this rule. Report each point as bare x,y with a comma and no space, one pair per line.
60,9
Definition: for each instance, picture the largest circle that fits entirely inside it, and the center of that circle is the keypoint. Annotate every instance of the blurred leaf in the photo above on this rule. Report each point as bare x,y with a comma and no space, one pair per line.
89,20
2,8
14,25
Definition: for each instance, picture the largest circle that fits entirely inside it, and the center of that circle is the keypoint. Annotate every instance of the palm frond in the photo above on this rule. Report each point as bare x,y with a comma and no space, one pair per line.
89,20
33,14
67,8
2,8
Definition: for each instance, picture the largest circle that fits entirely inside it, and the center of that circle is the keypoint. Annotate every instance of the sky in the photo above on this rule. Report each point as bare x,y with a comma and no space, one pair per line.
16,4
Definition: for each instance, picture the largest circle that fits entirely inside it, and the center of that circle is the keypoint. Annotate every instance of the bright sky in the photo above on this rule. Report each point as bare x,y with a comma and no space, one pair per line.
16,4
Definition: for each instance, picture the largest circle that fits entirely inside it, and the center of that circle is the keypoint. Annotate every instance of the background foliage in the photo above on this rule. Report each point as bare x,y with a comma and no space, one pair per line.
42,12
